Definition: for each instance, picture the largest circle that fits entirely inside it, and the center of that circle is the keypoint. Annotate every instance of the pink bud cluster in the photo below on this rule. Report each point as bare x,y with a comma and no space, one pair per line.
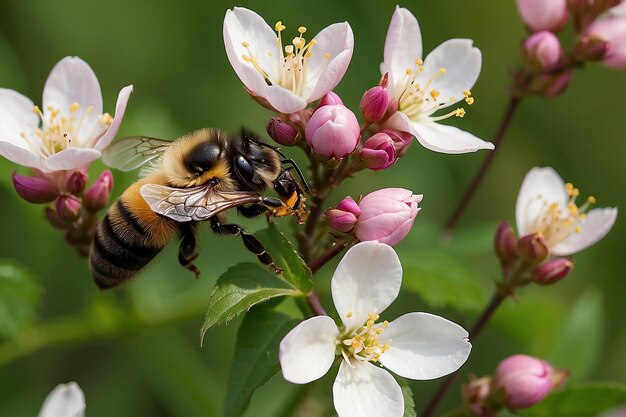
74,208
533,253
385,215
520,381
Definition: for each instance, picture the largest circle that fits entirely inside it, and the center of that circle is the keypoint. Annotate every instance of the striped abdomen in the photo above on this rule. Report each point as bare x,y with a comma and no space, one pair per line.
129,236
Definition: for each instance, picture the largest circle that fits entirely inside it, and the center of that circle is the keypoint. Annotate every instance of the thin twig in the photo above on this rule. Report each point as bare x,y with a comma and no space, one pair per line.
333,251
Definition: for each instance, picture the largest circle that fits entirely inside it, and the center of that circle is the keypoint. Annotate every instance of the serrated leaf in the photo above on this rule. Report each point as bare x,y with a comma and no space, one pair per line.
407,394
585,400
19,298
295,270
256,356
443,281
583,328
238,289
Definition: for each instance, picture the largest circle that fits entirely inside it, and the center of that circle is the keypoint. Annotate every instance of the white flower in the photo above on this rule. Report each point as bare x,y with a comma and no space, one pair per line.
546,205
288,75
70,130
66,400
421,88
415,345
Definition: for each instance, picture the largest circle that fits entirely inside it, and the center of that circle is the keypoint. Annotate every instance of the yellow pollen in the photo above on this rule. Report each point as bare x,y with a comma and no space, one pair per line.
469,100
326,55
289,49
74,107
409,71
419,62
349,315
106,119
245,44
37,110
467,93
302,29
269,53
591,200
460,112
575,192
279,27
434,93
578,229
308,54
442,71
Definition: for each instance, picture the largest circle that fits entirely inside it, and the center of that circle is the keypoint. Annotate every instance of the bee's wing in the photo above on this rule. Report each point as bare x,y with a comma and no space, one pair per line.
133,152
193,204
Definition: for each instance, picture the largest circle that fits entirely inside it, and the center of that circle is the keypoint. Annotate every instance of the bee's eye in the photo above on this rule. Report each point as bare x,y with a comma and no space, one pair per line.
203,157
243,168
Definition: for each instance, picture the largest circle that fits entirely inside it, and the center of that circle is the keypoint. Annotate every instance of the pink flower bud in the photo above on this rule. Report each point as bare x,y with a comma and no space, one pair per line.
374,103
379,152
612,31
55,220
34,190
476,390
330,99
525,380
333,131
505,242
283,133
539,15
543,49
68,207
387,215
76,182
97,196
344,216
533,248
553,271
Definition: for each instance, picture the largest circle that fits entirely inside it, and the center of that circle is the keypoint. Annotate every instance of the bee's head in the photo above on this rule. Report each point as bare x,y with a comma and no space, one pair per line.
253,166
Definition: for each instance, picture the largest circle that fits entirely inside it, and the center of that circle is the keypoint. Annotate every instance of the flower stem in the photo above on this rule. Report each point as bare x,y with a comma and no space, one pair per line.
315,305
333,251
484,167
498,297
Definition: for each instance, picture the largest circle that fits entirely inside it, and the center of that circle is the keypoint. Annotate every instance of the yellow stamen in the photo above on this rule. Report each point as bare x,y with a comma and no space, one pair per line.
279,27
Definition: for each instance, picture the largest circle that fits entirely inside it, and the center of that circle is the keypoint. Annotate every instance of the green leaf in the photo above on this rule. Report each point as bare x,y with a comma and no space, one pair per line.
443,281
583,328
19,298
407,394
256,356
295,270
238,289
586,400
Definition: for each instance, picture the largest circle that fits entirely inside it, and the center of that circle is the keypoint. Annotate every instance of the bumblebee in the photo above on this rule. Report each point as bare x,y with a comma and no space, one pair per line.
192,179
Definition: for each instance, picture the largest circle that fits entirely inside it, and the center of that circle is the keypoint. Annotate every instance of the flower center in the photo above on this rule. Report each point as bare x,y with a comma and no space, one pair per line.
58,132
554,223
362,343
292,61
419,99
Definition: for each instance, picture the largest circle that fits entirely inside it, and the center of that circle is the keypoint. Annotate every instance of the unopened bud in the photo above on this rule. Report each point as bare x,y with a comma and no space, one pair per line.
76,182
612,31
330,99
34,190
55,220
476,390
344,216
378,152
533,248
68,207
333,131
505,242
553,271
283,133
551,85
539,15
97,196
401,140
542,50
374,103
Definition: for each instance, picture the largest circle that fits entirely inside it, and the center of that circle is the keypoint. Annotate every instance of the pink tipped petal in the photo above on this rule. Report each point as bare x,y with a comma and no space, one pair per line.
21,155
71,158
120,109
424,346
364,389
66,400
308,350
72,81
594,227
539,182
16,116
462,63
367,280
338,41
448,139
403,46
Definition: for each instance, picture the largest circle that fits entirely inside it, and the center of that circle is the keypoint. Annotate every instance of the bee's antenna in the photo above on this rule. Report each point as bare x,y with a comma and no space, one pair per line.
286,160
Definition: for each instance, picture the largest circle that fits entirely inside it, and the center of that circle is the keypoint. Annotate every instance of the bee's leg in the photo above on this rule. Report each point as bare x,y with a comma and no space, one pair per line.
253,244
187,249
253,210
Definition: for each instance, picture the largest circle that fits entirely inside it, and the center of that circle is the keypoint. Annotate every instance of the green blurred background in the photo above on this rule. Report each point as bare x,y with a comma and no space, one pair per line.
147,362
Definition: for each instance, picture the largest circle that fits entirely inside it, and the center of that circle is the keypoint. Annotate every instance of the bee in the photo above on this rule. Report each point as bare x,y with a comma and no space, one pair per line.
192,179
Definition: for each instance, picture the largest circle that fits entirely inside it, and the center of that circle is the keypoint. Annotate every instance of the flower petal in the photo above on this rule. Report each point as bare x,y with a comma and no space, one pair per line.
539,182
367,280
21,155
16,116
424,346
283,100
446,139
594,227
364,389
462,63
72,81
120,109
71,158
403,46
308,351
66,400
336,40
